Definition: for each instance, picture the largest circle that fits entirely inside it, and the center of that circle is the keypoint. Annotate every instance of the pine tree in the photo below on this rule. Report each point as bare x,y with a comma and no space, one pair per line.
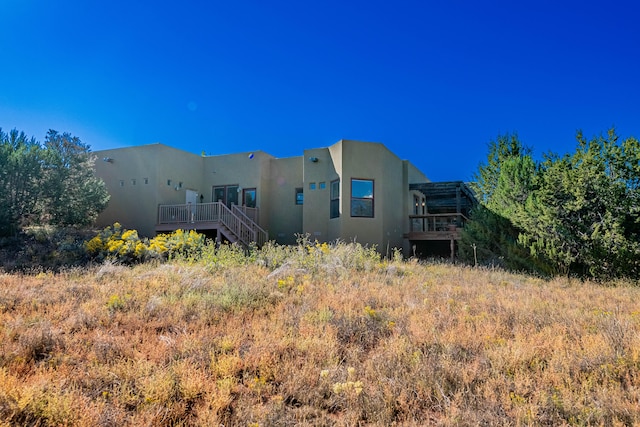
50,184
502,185
75,195
583,215
20,173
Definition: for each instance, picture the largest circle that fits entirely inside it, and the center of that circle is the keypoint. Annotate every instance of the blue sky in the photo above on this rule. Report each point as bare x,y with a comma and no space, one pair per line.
434,81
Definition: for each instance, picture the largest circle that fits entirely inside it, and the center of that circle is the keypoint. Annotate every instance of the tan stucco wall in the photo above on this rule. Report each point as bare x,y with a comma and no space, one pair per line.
247,170
236,169
415,175
135,206
179,167
320,173
334,227
275,180
373,161
284,216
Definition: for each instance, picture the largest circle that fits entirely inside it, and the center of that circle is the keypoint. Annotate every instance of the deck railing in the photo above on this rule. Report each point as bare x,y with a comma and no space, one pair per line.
437,222
251,213
250,216
238,223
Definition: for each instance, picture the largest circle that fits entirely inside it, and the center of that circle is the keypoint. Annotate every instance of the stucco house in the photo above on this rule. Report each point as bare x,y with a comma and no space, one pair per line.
350,191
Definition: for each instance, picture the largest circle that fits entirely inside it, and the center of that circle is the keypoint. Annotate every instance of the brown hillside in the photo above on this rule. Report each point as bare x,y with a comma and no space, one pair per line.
393,343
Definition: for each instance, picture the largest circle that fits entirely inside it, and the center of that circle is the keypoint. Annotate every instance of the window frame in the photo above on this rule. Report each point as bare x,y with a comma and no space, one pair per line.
245,192
228,190
334,199
360,203
299,191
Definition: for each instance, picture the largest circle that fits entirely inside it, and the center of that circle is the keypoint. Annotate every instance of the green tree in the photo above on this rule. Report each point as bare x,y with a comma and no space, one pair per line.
75,196
583,215
20,178
52,183
492,239
486,179
502,186
577,214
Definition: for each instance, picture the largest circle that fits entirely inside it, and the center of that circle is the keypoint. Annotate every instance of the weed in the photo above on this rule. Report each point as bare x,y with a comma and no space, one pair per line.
316,334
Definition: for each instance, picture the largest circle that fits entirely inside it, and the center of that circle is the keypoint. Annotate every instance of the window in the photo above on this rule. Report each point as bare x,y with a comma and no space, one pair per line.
133,181
299,196
218,194
312,186
334,208
232,195
122,183
362,198
249,197
322,185
169,182
146,180
227,194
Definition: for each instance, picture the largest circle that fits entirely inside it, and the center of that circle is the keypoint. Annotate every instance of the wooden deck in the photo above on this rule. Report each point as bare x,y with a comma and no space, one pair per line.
436,226
434,235
445,208
238,224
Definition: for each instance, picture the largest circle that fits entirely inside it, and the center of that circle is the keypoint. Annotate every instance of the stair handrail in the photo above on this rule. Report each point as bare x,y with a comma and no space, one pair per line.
261,236
236,225
239,224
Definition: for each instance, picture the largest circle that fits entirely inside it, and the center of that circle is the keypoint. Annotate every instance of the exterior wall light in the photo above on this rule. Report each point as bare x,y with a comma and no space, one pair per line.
107,159
313,159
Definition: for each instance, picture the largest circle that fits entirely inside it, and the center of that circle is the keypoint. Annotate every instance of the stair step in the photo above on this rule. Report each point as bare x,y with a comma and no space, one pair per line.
228,234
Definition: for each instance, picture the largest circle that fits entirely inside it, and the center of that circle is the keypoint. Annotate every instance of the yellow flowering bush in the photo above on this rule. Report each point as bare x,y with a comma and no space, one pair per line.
158,245
94,245
122,245
118,244
187,244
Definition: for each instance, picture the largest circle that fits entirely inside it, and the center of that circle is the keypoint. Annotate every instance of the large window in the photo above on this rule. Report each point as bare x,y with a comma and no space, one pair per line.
334,209
249,197
362,198
299,196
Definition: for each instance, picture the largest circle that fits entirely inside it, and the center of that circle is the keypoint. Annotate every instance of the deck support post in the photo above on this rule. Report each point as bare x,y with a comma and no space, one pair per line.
452,245
458,206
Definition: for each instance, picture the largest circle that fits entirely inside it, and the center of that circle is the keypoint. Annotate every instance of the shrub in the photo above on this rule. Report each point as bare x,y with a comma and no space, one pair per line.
334,258
118,244
224,256
181,244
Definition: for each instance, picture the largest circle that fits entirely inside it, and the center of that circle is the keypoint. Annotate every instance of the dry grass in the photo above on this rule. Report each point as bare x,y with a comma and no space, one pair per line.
396,344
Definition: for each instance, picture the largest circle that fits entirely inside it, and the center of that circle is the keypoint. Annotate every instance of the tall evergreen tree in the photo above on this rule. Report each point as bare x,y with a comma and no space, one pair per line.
502,185
584,214
75,195
576,214
50,184
485,180
20,174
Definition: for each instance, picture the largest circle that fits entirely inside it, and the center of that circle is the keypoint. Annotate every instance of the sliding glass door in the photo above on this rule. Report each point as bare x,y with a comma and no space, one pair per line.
227,194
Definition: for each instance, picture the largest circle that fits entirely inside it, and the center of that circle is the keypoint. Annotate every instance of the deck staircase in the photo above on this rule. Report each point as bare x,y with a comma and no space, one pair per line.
235,224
